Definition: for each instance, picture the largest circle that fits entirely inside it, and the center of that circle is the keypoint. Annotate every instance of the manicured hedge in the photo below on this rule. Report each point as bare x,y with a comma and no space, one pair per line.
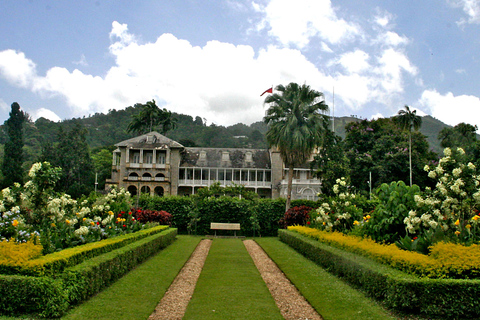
56,262
268,212
51,296
446,299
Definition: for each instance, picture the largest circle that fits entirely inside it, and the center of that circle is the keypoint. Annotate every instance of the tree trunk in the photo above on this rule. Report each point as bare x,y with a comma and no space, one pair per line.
289,187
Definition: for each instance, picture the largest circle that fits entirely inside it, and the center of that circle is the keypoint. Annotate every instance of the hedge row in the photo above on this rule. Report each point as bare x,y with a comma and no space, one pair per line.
56,262
193,215
52,296
446,299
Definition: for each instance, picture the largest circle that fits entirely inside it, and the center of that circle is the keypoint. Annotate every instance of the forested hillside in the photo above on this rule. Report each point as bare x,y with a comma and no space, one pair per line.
104,130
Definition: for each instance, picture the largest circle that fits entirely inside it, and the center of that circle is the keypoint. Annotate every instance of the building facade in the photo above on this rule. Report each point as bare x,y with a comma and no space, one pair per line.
154,164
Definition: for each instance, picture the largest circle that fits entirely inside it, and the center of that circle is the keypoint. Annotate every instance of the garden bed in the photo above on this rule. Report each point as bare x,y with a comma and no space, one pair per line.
51,296
446,299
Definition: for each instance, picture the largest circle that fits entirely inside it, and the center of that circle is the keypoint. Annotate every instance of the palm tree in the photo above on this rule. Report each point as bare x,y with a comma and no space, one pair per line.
149,117
408,120
295,121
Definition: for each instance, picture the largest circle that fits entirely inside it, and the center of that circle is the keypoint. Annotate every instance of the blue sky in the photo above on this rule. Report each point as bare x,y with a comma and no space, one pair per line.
63,59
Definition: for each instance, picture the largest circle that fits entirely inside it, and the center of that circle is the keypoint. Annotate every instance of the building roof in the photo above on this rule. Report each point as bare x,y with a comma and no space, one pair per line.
226,157
149,141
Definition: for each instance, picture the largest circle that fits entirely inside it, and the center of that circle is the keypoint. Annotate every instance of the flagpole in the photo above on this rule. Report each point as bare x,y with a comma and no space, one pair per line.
333,111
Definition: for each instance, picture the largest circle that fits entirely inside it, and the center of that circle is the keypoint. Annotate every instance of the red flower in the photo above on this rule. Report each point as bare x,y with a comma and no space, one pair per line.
122,212
133,219
415,238
119,214
98,222
124,226
308,222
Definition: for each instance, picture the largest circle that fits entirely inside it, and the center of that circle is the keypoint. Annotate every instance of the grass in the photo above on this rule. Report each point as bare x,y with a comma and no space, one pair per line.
329,295
136,295
230,286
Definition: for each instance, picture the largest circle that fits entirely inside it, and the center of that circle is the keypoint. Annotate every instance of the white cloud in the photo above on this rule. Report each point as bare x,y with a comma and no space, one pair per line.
452,109
82,61
377,116
297,22
219,81
355,61
45,113
470,7
16,68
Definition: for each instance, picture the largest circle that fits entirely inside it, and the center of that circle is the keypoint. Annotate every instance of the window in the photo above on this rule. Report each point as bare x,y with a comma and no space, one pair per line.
148,157
248,156
161,158
136,157
225,156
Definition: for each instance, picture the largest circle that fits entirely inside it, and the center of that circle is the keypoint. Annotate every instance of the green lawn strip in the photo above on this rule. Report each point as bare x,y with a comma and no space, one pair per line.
136,295
230,286
329,295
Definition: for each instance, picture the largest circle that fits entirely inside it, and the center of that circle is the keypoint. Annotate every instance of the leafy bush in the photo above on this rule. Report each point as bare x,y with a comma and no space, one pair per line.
341,212
453,205
296,216
144,216
386,222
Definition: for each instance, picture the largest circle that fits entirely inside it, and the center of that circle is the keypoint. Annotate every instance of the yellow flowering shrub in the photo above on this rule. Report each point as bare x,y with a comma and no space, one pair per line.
458,259
14,253
445,261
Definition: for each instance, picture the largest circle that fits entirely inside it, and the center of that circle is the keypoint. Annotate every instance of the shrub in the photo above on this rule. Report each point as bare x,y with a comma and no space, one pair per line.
341,212
436,298
296,216
144,216
386,222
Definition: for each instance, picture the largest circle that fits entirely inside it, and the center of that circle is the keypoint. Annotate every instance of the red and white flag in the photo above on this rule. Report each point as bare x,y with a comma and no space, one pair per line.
269,90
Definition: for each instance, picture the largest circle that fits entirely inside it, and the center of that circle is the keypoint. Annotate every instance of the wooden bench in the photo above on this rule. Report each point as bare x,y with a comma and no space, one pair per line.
225,226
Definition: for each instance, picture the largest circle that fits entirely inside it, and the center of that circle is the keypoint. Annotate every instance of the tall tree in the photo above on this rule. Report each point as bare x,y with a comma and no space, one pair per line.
408,120
295,122
13,155
72,154
149,117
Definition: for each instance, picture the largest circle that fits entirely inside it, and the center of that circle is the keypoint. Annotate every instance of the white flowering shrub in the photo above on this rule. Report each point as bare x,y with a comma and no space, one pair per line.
453,204
59,221
341,214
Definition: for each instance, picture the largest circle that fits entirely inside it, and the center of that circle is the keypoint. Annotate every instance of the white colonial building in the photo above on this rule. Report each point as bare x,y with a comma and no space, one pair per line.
155,164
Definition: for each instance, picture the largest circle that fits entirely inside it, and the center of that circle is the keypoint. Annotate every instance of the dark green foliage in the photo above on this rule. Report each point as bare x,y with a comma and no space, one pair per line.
381,147
150,117
179,207
13,150
42,295
436,298
72,154
194,214
386,222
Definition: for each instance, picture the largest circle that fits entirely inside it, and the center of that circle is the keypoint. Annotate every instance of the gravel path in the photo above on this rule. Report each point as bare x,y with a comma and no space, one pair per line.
291,303
175,301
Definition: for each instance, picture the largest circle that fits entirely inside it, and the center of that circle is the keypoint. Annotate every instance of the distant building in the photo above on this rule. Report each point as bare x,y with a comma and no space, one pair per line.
155,164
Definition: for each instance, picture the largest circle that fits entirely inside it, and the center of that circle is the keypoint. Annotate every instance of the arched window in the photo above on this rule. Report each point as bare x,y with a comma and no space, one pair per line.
145,189
133,176
159,177
146,176
159,191
132,190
